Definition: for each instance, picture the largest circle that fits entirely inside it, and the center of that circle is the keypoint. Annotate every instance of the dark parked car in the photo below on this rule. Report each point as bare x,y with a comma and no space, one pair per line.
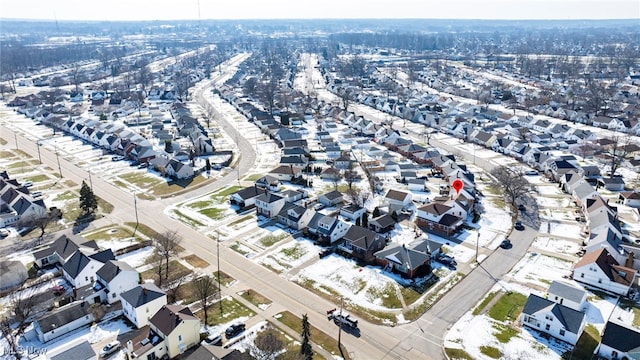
522,208
446,260
234,330
506,244
519,226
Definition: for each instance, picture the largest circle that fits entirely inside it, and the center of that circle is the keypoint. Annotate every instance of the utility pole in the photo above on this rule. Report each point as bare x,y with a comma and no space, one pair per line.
135,206
340,324
15,135
218,274
90,182
58,160
38,147
477,241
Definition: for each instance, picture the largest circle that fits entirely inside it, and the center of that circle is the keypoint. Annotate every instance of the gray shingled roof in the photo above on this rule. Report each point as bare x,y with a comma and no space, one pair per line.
63,315
566,291
112,268
569,318
621,338
80,351
138,297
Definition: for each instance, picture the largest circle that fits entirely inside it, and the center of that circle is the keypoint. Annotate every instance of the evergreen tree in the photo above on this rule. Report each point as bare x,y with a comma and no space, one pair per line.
305,348
88,200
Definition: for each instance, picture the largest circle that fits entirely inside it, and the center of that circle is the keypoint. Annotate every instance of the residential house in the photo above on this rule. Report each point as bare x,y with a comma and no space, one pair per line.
352,212
81,268
630,198
114,278
172,331
268,182
397,200
141,302
362,243
331,198
619,341
61,250
612,183
286,172
246,198
382,224
567,295
269,204
559,321
294,216
408,260
62,320
436,217
330,229
599,269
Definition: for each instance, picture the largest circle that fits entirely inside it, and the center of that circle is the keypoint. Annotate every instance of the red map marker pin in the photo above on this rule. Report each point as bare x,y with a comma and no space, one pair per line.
457,185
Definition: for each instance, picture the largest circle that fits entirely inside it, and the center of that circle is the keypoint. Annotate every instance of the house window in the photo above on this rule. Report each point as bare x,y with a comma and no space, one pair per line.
581,275
547,327
614,354
113,295
599,281
86,278
562,332
179,337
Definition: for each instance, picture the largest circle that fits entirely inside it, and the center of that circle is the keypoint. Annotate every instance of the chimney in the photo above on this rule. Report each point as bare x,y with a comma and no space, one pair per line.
75,293
629,262
144,290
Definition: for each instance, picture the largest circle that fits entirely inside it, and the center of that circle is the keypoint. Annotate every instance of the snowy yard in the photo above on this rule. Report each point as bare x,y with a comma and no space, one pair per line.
554,245
289,255
538,271
572,231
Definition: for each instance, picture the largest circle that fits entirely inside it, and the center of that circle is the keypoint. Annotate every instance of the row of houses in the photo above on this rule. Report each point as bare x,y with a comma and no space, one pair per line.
17,202
97,277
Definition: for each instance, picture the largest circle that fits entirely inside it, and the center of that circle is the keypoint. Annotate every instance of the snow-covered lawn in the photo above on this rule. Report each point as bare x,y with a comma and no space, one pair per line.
358,285
556,245
572,231
553,202
551,189
138,257
537,270
289,255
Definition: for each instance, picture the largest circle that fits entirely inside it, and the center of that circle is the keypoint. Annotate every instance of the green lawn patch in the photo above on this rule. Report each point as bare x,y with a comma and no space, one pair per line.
409,294
187,220
213,213
176,271
271,239
225,279
109,233
387,294
505,332
231,309
227,191
254,297
484,303
252,177
241,220
508,307
491,352
631,305
238,248
142,179
295,252
457,354
586,344
143,229
37,178
67,195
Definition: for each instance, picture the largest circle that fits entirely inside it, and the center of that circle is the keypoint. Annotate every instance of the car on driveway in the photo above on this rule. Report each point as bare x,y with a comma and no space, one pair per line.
522,208
506,244
214,339
518,225
446,260
57,290
234,330
109,349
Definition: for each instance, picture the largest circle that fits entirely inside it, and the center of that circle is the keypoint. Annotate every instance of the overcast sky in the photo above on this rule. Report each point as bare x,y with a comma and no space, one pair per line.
305,9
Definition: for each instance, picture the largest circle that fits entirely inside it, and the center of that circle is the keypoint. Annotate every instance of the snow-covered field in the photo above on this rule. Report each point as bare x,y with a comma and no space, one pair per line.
554,245
572,231
289,255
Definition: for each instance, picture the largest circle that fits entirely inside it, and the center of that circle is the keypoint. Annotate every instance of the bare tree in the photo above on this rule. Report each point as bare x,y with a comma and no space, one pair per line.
97,310
175,286
11,337
512,182
37,221
168,245
618,151
267,345
157,262
204,287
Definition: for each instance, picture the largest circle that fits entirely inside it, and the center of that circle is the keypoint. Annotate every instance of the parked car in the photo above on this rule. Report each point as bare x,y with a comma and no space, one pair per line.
36,194
4,233
519,226
446,259
27,184
522,208
506,244
109,349
531,172
215,339
57,290
325,253
234,330
117,158
143,165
